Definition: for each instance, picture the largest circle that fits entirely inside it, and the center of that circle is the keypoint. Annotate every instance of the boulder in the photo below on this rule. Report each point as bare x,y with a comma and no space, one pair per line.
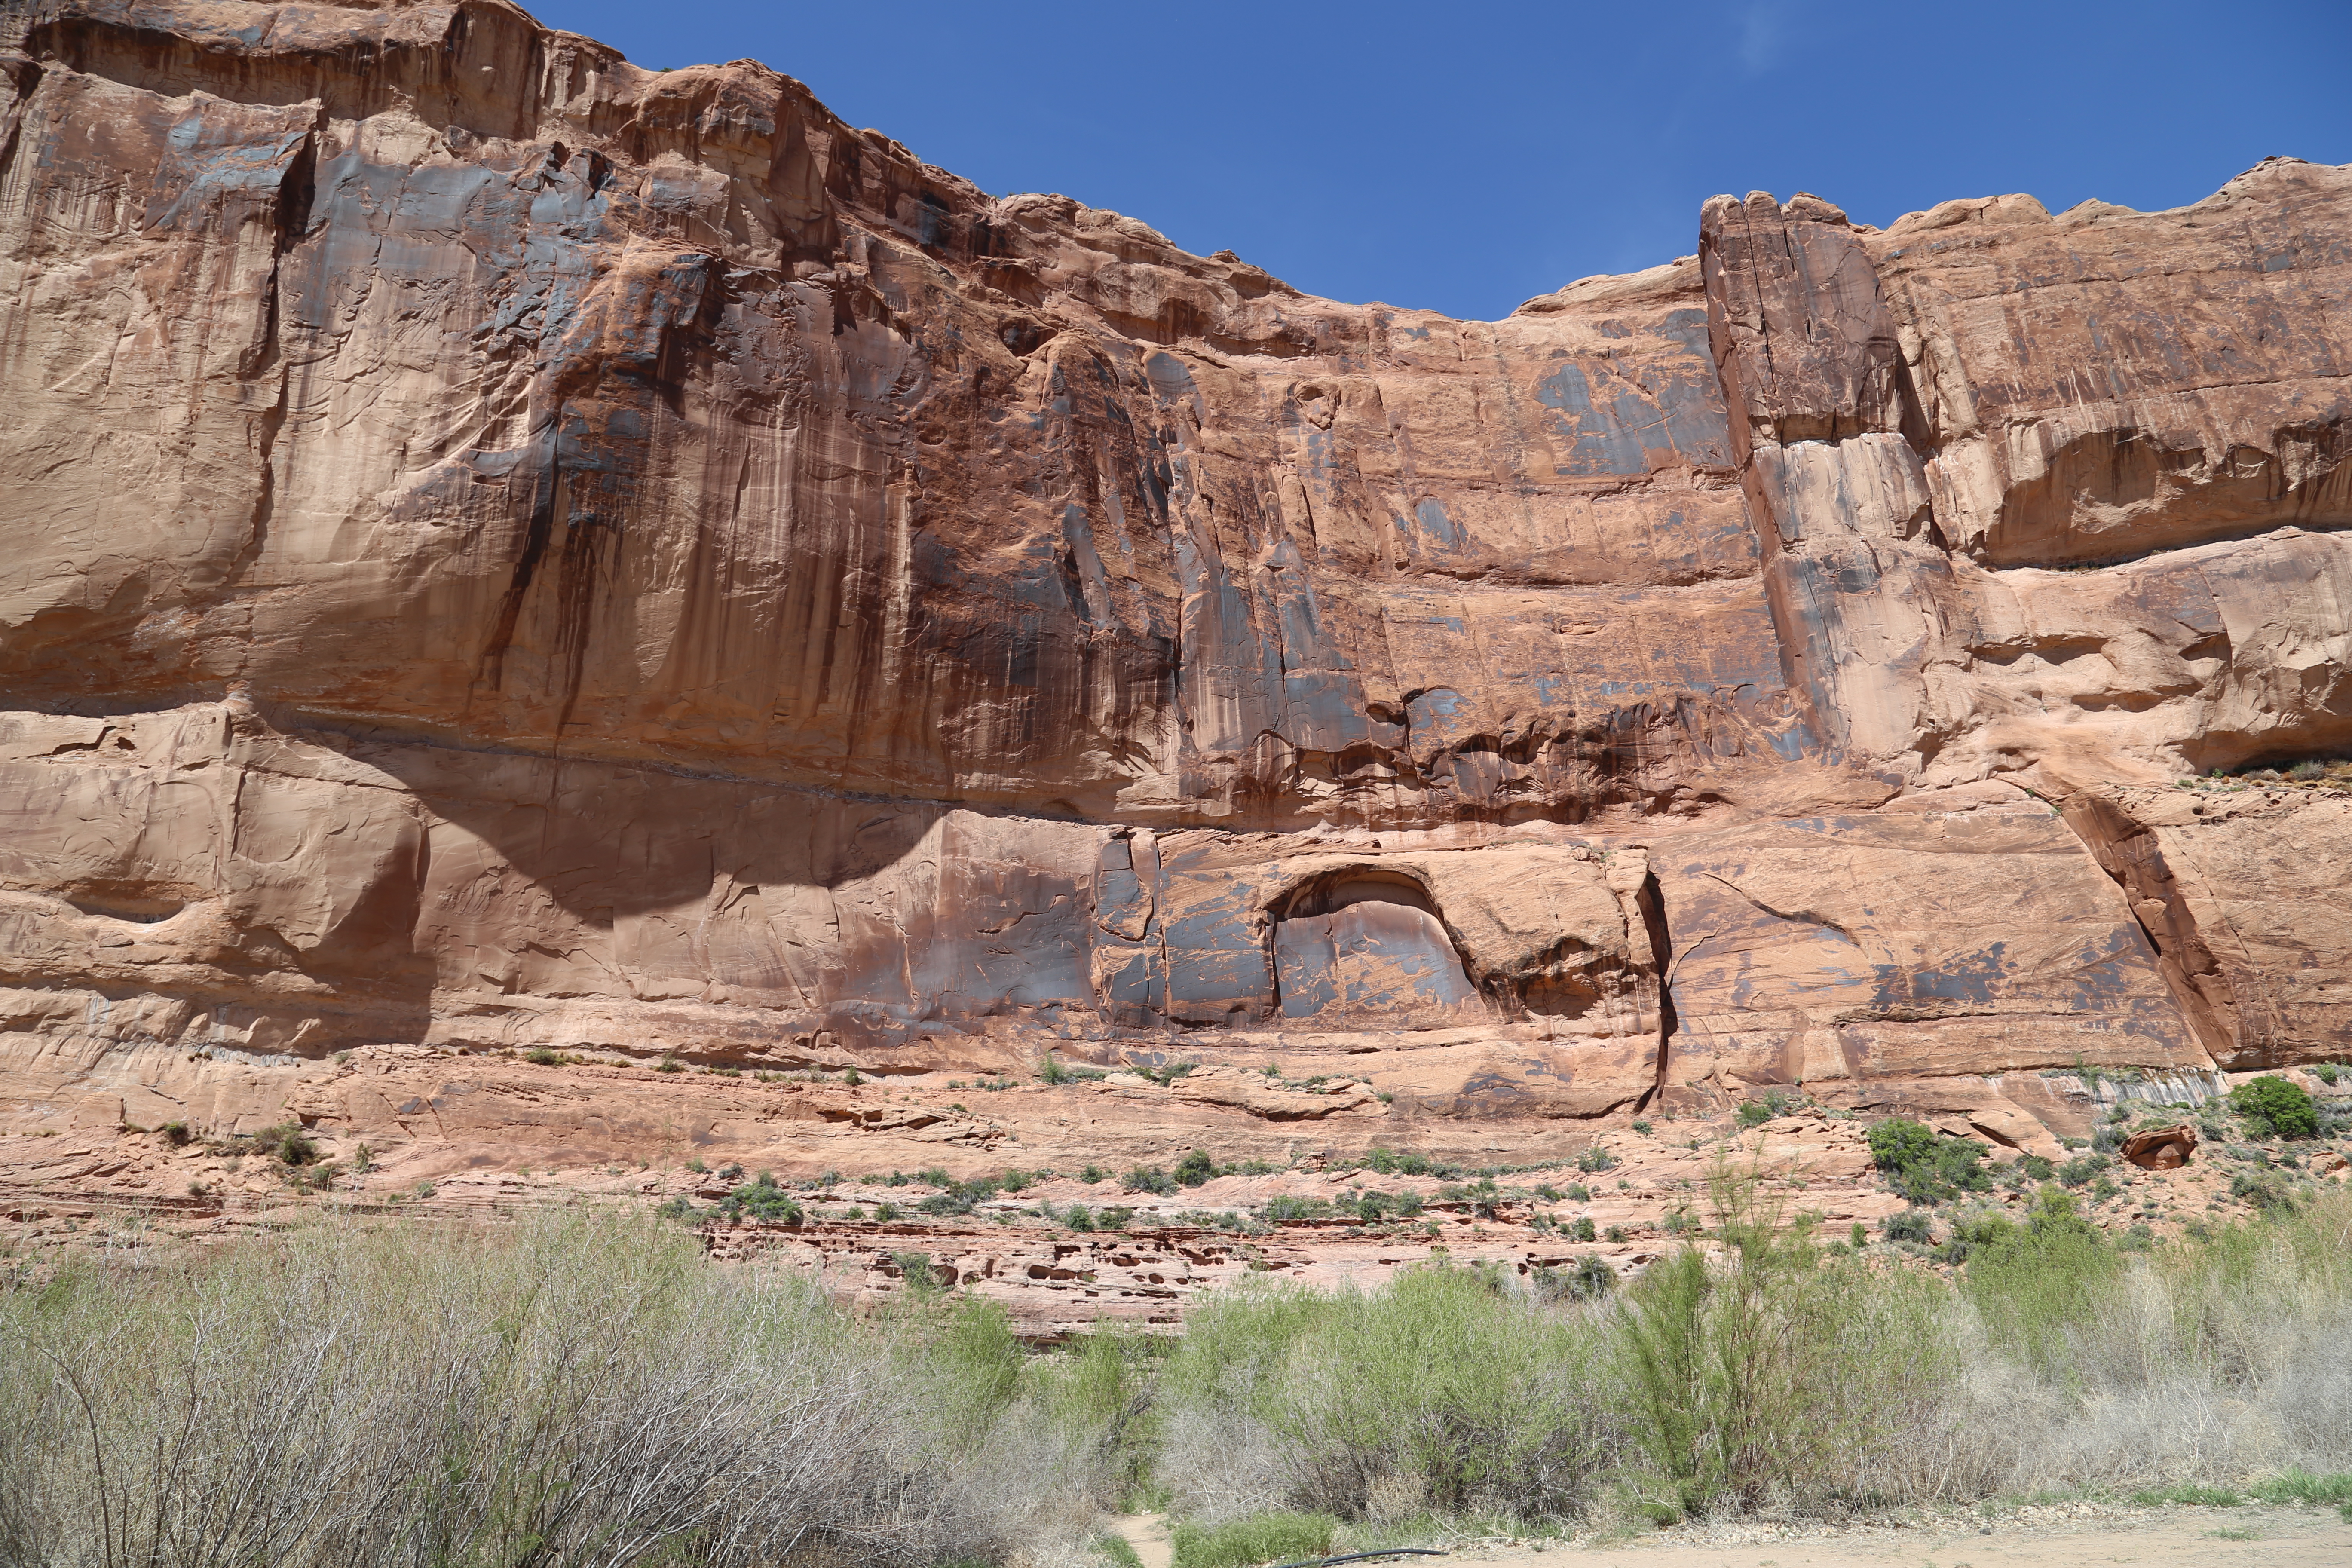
2161,1148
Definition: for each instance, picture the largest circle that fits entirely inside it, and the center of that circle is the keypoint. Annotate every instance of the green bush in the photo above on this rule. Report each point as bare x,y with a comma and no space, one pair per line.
540,1056
2262,1193
1389,1163
1763,1377
1245,1542
1148,1179
2079,1171
1195,1169
761,1199
1581,1230
1923,1167
2273,1108
1469,1389
1587,1280
1483,1197
2038,1284
1911,1224
287,1144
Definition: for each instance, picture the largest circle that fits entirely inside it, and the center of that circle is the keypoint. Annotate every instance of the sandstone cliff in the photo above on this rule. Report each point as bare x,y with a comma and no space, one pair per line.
505,549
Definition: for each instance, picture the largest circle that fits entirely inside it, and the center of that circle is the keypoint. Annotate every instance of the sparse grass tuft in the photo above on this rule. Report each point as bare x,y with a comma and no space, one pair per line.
2298,1486
2188,1494
1259,1539
1117,1550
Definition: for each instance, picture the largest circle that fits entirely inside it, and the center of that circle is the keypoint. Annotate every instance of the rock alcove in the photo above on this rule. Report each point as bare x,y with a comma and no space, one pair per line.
1367,940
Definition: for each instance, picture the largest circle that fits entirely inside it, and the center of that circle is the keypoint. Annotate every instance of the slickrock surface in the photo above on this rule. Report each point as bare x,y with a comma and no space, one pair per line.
505,550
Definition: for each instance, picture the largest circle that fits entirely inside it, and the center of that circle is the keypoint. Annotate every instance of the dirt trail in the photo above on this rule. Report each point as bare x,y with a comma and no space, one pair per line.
1148,1533
2204,1537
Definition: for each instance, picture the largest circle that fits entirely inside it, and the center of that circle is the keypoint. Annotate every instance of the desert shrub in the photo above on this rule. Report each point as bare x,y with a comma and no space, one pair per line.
1595,1158
1772,1374
1582,1228
1260,1538
1148,1179
1195,1169
566,1392
540,1056
1482,1197
761,1199
1971,1234
1923,1167
1389,1163
1077,1217
1440,1386
1586,1279
2079,1171
1115,1216
2273,1108
1911,1224
2259,1191
2038,1284
287,1144
1776,1103
1760,1371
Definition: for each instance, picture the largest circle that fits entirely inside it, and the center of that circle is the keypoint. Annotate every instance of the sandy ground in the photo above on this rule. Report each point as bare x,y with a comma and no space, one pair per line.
2041,1538
2207,1537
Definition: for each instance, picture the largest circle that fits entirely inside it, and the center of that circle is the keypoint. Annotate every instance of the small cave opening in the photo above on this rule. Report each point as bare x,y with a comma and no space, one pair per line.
136,908
1367,942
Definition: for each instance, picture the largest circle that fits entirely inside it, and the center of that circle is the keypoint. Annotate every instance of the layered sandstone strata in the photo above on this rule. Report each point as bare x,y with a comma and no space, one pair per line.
508,549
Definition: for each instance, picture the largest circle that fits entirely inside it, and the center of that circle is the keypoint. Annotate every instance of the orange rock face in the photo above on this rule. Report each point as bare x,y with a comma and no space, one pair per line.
507,549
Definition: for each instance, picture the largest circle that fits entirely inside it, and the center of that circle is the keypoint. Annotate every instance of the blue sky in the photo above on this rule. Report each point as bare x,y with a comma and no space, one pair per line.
1464,157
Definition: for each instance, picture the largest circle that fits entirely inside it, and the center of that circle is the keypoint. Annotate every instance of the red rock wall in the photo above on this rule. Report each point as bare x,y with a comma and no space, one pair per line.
504,547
